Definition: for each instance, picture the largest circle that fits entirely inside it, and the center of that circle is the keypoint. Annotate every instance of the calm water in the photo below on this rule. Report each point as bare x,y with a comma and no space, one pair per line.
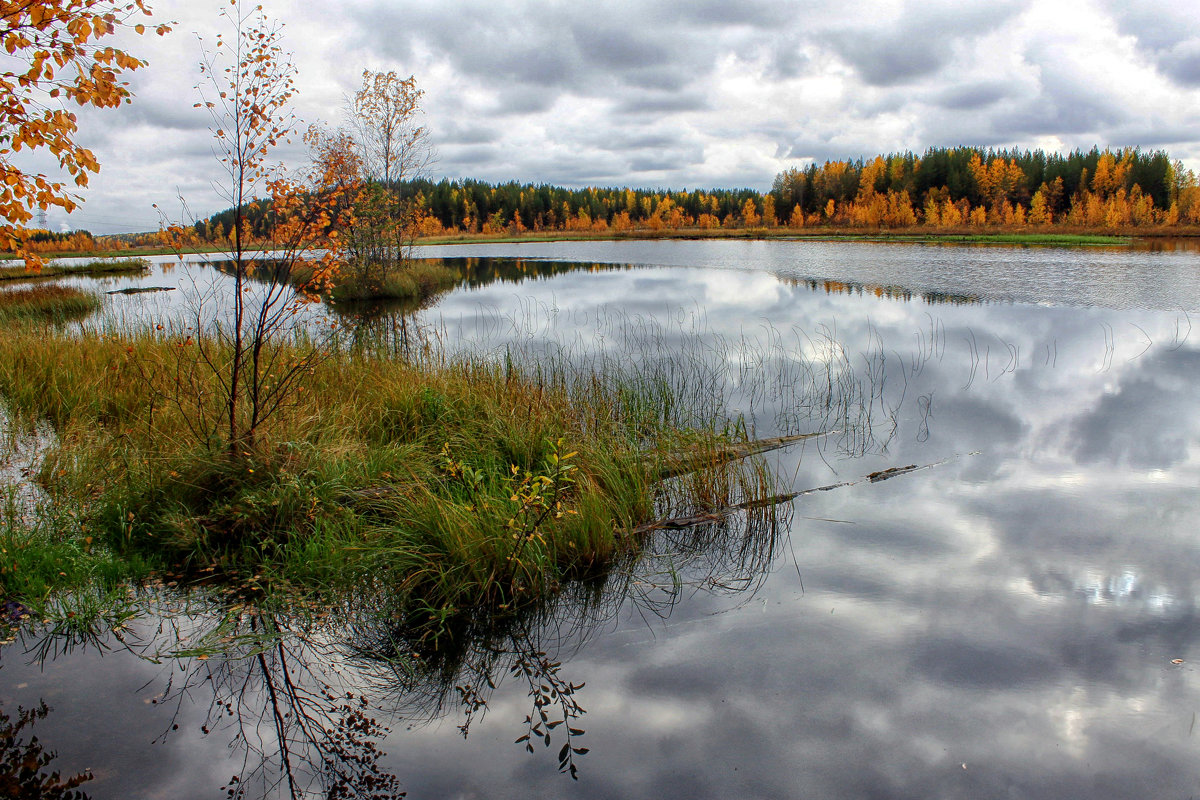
1017,620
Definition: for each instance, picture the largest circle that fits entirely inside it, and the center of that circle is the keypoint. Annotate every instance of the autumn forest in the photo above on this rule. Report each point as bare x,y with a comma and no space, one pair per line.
945,189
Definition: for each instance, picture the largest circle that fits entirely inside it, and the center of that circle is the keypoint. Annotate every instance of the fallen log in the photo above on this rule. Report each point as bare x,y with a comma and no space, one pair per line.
718,515
672,465
142,290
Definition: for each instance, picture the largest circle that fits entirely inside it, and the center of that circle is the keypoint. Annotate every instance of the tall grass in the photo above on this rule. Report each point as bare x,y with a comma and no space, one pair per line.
465,480
97,268
47,304
417,280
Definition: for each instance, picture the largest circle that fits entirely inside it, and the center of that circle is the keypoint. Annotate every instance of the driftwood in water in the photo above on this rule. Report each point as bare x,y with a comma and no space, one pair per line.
672,465
142,290
680,523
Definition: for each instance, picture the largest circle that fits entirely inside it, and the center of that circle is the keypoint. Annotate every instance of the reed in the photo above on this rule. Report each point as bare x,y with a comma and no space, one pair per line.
92,269
47,303
464,479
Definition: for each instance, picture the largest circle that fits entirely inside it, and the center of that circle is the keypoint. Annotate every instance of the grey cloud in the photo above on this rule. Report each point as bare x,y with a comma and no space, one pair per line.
788,60
668,78
538,66
665,162
467,134
920,45
882,60
661,102
825,147
1182,63
621,48
1152,132
953,130
171,114
1156,24
486,65
752,13
640,141
1067,104
523,100
561,48
467,155
1167,32
971,96
567,169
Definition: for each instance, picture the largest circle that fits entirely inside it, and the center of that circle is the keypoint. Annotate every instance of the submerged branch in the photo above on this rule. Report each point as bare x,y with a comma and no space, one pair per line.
672,465
708,517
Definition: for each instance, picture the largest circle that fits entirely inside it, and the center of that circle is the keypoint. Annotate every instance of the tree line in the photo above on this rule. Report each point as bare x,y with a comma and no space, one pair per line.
944,188
952,187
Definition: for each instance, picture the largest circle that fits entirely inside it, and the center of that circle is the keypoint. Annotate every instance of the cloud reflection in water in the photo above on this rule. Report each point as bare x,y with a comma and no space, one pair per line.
1004,624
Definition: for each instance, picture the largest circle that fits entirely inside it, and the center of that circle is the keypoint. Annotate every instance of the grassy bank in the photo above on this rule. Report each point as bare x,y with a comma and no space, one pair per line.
459,483
1045,237
124,253
47,304
415,281
93,269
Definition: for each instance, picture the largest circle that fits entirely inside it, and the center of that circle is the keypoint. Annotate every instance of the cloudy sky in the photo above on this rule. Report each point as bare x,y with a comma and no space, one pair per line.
689,94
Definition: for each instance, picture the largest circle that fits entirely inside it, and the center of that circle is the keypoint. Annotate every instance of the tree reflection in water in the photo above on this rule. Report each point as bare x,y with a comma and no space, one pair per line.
306,697
23,763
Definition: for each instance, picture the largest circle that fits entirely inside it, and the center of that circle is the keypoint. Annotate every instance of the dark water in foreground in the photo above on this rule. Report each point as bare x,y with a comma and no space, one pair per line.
1018,620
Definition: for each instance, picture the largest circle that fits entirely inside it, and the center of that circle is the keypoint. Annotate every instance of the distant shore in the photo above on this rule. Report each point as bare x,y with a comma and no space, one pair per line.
1070,238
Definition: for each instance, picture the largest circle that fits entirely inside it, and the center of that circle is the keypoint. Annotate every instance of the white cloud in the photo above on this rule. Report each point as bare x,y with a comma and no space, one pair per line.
676,94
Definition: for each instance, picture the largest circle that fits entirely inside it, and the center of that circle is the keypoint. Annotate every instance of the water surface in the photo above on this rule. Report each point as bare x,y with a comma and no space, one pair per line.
1017,620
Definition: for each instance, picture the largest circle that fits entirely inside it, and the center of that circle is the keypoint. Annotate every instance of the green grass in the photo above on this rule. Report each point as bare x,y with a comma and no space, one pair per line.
417,281
97,268
47,303
461,483
133,253
46,552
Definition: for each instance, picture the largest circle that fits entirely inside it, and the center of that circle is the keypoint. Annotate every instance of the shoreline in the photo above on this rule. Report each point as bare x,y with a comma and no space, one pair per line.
1069,238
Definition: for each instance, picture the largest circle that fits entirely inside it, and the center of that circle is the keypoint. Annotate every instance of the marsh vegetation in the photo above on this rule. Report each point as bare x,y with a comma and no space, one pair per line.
90,269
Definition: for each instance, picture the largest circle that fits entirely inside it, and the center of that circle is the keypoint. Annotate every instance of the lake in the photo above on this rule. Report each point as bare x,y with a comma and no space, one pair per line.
1014,616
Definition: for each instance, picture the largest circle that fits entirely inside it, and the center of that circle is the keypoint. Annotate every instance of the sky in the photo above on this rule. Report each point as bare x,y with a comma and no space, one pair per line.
696,94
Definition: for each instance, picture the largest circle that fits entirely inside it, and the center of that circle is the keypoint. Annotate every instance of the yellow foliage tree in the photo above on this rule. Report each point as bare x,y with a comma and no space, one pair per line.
750,216
769,210
952,215
1039,213
899,212
1111,173
932,217
56,57
997,181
